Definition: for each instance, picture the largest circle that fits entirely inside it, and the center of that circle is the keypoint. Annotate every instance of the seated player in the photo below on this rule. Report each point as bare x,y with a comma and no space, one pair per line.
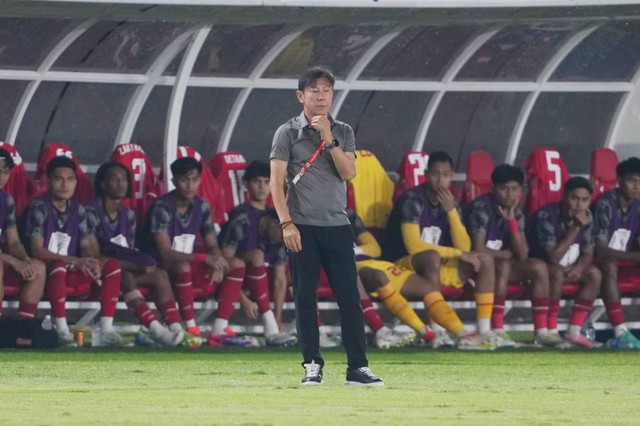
561,234
496,225
171,227
252,232
616,229
55,230
114,226
426,218
393,285
18,268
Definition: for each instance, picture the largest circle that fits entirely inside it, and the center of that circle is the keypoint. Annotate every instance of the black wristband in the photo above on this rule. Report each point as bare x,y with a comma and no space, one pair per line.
285,224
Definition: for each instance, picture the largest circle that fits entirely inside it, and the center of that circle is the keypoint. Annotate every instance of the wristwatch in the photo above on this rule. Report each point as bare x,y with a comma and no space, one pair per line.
333,144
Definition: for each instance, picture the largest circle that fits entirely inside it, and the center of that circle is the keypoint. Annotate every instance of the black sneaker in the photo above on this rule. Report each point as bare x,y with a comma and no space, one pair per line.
363,377
312,374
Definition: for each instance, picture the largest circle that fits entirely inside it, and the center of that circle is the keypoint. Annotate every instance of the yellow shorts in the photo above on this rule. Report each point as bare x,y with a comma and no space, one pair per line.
396,275
448,271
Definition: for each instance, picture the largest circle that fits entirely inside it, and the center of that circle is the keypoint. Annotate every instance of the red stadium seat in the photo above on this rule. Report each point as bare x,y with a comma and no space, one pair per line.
546,174
84,190
603,170
479,167
228,168
19,186
146,185
410,172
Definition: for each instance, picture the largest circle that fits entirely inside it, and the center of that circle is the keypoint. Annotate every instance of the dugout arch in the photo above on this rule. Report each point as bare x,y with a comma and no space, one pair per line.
498,76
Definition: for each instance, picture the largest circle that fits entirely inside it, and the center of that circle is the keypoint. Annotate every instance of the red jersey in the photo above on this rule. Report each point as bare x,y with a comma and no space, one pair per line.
146,185
228,168
546,175
19,186
84,189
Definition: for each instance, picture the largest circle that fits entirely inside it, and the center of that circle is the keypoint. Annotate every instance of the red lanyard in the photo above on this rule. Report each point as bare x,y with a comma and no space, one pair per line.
309,162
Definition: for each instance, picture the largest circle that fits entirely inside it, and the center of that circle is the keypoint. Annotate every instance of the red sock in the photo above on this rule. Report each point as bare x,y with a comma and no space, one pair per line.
57,289
552,314
184,291
497,315
258,283
581,309
169,311
26,310
540,312
229,292
110,288
615,312
145,314
371,316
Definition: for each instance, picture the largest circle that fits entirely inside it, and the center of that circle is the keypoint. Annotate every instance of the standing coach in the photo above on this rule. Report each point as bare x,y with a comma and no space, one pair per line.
316,154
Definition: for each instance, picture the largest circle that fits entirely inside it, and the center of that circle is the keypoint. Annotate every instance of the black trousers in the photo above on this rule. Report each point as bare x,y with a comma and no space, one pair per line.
331,248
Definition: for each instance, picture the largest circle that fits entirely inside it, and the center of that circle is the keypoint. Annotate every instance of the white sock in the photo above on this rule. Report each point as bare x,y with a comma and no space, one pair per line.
106,324
219,325
175,327
190,323
156,328
61,324
436,327
269,323
484,325
620,329
553,330
573,330
541,331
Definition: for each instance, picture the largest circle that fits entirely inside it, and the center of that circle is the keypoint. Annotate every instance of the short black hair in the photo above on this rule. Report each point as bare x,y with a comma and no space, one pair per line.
439,157
309,77
578,182
6,156
60,162
184,165
630,166
102,173
506,173
257,169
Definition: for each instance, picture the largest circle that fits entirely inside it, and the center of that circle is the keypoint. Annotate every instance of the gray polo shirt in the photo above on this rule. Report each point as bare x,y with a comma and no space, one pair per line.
320,196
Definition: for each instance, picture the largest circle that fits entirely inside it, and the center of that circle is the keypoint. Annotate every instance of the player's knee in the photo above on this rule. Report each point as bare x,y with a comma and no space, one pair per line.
556,273
161,277
379,279
432,259
503,266
39,267
255,258
236,263
538,269
182,267
425,262
486,261
593,276
608,265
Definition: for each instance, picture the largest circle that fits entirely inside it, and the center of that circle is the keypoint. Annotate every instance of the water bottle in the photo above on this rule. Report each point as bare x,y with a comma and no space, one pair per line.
46,323
590,332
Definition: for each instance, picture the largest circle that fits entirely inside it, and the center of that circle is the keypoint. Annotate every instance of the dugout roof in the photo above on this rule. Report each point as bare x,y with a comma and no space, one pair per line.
219,77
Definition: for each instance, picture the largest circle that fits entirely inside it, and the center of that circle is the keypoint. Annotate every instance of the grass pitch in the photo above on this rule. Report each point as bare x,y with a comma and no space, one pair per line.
259,386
